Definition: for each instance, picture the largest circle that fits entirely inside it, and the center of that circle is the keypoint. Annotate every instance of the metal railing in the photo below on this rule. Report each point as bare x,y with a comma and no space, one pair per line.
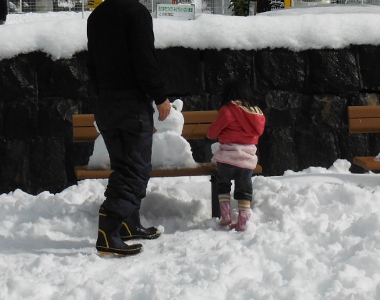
205,6
201,6
371,2
311,2
23,6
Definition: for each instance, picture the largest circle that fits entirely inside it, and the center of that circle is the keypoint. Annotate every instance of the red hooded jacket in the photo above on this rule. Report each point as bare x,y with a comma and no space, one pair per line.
237,124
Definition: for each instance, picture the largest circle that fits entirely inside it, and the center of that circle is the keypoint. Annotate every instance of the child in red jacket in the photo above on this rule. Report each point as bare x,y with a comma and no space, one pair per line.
238,126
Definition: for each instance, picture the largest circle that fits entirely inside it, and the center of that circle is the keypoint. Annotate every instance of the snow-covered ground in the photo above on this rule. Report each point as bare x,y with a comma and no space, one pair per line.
313,234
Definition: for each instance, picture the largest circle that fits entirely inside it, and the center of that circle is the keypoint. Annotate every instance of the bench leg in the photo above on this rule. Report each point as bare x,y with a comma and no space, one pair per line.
215,208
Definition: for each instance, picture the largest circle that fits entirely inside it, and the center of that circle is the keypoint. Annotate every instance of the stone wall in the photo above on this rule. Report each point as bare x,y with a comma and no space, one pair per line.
304,96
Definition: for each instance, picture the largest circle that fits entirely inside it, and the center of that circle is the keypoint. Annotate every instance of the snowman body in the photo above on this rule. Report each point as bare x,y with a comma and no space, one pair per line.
169,151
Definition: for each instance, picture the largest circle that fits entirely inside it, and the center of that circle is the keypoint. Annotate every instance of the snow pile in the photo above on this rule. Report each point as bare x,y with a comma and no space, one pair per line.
313,234
63,34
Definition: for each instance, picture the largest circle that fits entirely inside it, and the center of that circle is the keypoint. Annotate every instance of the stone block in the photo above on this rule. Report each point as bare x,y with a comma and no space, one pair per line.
330,111
353,144
214,102
14,163
197,149
67,78
316,146
224,64
280,69
47,165
369,59
20,118
332,72
181,70
283,108
277,151
77,154
374,144
357,99
17,77
87,105
194,102
55,117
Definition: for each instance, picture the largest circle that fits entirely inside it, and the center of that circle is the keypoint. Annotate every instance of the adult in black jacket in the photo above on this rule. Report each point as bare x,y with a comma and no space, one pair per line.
123,66
3,11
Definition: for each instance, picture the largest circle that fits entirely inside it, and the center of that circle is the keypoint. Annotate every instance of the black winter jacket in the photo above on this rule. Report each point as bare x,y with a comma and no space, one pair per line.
3,9
121,49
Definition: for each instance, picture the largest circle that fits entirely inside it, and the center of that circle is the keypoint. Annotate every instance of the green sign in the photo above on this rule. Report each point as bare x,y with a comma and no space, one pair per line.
176,11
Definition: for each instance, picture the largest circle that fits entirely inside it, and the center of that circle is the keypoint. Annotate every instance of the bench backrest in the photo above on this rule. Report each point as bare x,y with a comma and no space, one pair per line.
364,119
195,126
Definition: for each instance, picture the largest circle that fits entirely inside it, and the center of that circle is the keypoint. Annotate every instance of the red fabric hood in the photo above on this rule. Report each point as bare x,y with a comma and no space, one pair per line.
251,121
236,124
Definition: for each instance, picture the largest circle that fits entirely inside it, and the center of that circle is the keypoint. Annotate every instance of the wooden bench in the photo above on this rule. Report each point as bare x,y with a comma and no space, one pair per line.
195,127
364,119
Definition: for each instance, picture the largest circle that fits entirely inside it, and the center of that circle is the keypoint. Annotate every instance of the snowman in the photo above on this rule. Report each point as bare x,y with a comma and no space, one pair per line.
99,158
170,150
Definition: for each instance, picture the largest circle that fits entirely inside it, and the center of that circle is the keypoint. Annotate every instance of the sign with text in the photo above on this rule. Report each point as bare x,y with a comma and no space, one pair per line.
176,12
277,4
93,3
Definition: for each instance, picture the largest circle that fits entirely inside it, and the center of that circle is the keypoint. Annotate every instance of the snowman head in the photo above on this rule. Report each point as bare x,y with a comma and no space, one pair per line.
174,122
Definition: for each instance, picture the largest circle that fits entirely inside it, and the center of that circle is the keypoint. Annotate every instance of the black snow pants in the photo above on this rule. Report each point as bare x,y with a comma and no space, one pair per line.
125,121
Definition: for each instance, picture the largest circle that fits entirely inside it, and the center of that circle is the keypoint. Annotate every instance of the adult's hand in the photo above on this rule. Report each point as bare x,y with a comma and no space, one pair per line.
163,110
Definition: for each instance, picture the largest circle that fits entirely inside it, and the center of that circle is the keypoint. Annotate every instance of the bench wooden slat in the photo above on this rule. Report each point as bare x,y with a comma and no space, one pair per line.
194,131
195,126
85,134
199,117
365,125
258,170
372,111
190,117
84,173
203,169
367,162
364,119
84,120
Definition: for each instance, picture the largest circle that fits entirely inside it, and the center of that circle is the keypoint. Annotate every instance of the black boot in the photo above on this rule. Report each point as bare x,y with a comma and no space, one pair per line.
109,241
132,229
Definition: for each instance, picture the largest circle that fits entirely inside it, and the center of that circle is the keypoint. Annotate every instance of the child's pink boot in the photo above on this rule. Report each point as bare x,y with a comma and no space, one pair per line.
241,224
244,216
225,209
